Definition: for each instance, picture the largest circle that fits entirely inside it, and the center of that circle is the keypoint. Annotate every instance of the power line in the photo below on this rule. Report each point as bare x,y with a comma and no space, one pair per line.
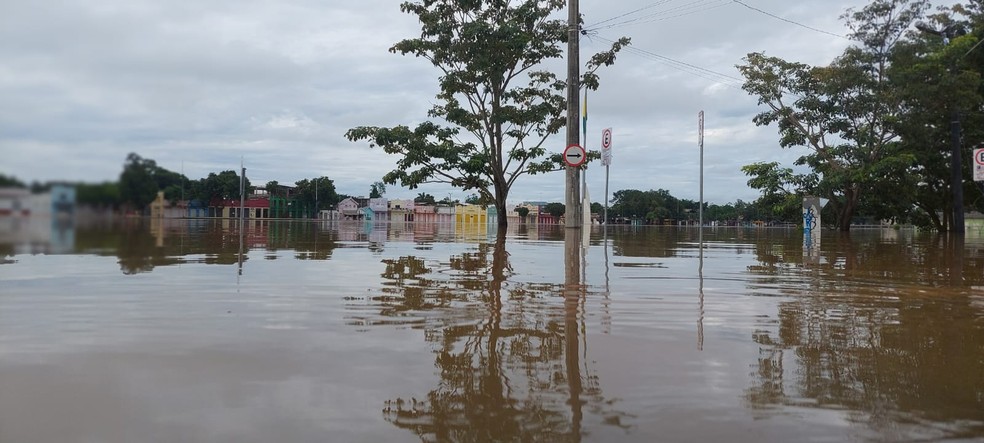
693,8
707,74
628,13
679,11
788,20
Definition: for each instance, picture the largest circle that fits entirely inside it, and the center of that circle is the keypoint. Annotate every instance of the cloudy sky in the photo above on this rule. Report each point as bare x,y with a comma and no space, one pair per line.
198,85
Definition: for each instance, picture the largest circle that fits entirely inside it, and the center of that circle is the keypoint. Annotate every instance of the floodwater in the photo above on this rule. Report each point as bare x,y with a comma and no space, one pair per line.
197,331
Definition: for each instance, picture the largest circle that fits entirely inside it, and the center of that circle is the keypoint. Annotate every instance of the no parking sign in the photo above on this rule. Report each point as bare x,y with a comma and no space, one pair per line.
979,165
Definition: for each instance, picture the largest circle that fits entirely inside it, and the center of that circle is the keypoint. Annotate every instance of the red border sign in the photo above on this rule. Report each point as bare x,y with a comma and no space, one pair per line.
574,156
979,165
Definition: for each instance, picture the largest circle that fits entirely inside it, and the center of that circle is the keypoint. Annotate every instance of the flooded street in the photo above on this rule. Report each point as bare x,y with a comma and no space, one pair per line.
197,331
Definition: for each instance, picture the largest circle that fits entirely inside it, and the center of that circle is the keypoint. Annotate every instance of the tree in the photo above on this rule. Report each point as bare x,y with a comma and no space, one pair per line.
781,196
484,49
654,206
10,182
522,211
103,195
315,194
377,190
597,208
137,185
844,113
425,198
936,81
555,209
224,185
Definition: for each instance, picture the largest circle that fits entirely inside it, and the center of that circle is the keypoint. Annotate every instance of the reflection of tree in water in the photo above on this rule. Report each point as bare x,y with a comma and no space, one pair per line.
503,371
648,241
141,248
880,334
137,249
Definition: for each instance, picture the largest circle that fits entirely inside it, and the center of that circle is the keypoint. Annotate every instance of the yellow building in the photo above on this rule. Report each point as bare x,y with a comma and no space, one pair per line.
471,214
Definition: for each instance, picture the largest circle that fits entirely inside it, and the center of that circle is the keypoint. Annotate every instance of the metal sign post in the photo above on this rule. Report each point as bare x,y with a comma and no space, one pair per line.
606,159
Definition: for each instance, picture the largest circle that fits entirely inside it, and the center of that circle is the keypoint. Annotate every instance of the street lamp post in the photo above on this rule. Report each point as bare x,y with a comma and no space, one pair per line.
956,162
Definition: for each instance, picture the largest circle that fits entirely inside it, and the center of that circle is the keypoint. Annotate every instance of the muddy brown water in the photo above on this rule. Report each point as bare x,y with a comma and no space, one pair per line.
197,331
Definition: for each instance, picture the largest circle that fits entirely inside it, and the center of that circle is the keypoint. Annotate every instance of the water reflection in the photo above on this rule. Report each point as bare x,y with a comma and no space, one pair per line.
507,356
458,335
887,326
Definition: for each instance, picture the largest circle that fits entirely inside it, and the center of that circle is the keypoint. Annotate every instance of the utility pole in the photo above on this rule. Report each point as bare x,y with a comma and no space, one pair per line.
956,162
572,190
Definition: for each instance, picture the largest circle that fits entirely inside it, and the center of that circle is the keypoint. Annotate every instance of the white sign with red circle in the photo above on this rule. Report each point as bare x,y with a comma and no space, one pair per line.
606,147
575,156
979,165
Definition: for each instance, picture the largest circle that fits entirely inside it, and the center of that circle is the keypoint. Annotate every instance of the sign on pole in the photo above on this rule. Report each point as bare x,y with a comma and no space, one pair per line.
979,165
606,147
574,156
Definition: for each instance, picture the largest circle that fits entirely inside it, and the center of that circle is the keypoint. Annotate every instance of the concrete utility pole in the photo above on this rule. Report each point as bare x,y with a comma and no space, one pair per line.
572,193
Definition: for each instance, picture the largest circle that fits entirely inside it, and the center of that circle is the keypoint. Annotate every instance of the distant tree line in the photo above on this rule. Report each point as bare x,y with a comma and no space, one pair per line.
142,178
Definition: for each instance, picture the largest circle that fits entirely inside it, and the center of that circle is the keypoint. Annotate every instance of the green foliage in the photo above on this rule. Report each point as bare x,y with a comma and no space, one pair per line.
845,113
10,182
425,198
492,88
782,195
377,190
555,209
315,195
522,211
653,206
104,195
224,185
137,184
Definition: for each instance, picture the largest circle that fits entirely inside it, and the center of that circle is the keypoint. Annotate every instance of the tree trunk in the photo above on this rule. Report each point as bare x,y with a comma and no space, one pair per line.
500,209
846,213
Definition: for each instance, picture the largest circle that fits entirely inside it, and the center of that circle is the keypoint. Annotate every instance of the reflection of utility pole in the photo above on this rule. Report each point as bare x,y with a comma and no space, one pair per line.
956,175
573,195
573,294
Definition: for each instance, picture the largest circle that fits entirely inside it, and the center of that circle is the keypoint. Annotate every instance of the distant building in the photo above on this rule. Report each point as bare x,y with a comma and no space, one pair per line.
401,210
471,214
15,201
380,208
349,209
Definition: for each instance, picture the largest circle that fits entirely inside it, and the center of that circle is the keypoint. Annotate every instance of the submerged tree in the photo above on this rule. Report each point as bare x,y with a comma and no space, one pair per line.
485,50
845,113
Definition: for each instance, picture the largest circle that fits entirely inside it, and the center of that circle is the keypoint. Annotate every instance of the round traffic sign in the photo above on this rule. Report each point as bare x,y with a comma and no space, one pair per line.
606,138
574,156
979,156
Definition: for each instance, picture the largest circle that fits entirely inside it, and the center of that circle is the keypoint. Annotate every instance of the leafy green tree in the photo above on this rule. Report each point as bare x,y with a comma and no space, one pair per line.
104,195
485,50
137,184
425,198
10,182
224,185
522,211
936,82
781,196
316,194
555,209
377,190
654,206
844,113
